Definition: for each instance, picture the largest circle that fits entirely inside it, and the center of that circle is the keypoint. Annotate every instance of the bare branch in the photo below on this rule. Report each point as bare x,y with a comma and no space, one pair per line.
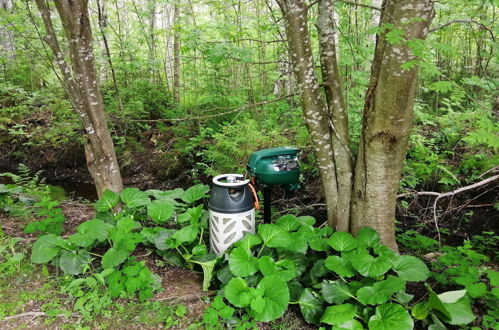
453,192
448,194
360,4
249,106
469,21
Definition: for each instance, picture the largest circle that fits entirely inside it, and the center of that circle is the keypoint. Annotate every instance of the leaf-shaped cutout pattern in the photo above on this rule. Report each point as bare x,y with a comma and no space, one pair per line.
215,218
213,226
229,238
214,247
214,236
229,227
246,224
225,220
248,217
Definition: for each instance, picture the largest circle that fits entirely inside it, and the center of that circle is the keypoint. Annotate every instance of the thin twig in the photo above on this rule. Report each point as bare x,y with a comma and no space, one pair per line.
217,114
360,4
449,194
470,21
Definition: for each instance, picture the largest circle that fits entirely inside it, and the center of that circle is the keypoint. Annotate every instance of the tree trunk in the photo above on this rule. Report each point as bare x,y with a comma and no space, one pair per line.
337,116
151,4
387,118
313,106
387,113
176,53
81,82
6,40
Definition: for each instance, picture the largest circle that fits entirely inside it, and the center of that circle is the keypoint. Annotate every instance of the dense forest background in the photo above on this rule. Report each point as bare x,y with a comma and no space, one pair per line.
192,87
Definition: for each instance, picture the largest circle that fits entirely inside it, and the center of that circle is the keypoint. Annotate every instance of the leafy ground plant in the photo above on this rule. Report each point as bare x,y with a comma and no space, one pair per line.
334,278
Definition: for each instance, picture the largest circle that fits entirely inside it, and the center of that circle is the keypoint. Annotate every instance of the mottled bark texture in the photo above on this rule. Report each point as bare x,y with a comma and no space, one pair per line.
176,53
387,114
81,82
337,112
314,109
387,118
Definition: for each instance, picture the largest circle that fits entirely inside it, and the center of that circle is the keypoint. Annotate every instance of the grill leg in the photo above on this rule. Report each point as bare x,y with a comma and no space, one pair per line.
267,216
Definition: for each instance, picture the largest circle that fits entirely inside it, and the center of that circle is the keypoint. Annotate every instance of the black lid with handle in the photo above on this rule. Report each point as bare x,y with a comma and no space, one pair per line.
230,194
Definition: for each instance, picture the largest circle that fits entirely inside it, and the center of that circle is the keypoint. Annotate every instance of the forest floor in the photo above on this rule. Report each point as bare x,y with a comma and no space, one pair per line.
32,299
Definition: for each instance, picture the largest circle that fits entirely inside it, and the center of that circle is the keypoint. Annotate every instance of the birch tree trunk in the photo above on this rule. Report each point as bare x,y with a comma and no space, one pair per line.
313,106
337,112
81,81
387,114
7,48
176,53
387,117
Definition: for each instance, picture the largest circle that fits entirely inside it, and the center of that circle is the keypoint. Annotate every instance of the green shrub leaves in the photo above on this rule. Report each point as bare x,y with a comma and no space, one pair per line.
108,200
391,316
411,268
335,278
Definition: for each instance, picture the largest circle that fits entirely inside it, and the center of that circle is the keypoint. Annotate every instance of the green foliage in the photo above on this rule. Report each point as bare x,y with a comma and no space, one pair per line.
335,278
466,268
10,256
28,197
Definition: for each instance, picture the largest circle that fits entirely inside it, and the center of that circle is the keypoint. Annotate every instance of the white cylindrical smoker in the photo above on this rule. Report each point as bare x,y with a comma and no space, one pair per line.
232,211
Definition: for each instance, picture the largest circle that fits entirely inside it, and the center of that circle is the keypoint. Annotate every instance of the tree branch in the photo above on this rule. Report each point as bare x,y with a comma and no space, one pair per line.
469,21
360,4
32,314
448,194
217,114
453,192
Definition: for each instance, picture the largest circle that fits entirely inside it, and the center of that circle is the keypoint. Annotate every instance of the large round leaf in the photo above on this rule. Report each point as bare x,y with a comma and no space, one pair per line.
276,297
340,266
342,241
350,325
242,263
336,292
391,316
369,266
95,230
113,258
368,236
338,314
74,263
133,197
288,222
46,248
161,237
310,306
274,236
108,200
381,291
411,268
195,193
160,210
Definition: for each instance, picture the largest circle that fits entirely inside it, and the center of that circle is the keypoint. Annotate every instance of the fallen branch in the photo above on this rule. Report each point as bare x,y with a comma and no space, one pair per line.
32,314
453,192
217,114
448,194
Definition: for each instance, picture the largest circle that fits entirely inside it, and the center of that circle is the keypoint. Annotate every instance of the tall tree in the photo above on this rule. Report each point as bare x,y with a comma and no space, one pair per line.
6,40
81,82
176,52
387,114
